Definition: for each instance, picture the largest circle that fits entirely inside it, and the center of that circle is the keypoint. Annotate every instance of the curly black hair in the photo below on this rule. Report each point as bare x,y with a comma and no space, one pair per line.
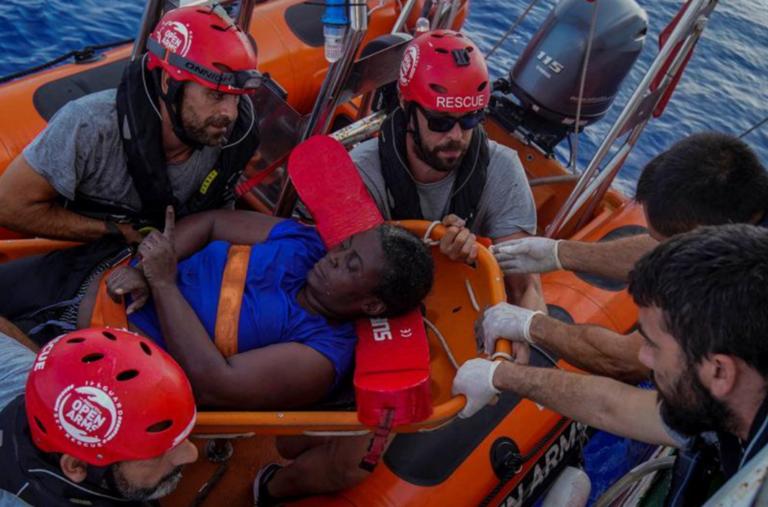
409,272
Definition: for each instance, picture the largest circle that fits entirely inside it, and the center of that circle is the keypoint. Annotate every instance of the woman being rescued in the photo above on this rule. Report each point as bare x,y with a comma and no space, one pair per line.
289,342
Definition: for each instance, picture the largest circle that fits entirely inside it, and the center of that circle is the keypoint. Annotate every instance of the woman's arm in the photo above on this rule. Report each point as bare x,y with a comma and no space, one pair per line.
234,226
278,376
283,376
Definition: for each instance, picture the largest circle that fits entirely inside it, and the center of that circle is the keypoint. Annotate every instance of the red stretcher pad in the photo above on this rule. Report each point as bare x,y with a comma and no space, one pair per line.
392,356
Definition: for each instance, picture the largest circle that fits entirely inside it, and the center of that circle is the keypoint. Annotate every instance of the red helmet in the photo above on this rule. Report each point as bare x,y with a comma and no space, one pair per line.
444,71
203,44
106,395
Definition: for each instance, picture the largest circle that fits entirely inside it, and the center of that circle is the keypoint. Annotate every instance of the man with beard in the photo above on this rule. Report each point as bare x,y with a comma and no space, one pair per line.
433,161
708,178
179,130
701,297
103,420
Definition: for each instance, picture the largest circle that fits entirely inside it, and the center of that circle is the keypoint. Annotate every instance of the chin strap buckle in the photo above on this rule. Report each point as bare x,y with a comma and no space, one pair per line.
378,441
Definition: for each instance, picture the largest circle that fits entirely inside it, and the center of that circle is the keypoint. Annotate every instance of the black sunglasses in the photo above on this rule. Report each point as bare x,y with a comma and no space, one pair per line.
442,123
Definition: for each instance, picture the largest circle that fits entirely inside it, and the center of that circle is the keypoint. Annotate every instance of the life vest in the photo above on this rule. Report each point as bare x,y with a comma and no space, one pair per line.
402,195
141,133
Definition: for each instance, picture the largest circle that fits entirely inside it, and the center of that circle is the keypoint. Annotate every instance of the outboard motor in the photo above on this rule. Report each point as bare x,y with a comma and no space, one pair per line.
546,78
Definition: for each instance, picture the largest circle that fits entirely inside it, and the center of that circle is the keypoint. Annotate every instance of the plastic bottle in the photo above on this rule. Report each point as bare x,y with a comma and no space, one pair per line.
570,489
335,23
422,26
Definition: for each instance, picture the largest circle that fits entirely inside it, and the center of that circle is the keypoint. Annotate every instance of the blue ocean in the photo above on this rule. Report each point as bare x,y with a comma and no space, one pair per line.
724,88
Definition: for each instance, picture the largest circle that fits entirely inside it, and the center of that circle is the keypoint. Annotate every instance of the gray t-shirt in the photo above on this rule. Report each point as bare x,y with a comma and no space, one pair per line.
506,204
80,153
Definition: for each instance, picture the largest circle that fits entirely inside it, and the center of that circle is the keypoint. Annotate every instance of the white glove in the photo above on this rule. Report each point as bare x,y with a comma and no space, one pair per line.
527,255
504,321
475,381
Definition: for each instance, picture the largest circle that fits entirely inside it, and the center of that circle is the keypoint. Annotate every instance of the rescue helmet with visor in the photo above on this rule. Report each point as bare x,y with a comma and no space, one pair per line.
203,44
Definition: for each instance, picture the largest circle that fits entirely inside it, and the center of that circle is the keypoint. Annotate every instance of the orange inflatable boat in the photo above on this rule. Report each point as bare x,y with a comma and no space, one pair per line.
509,453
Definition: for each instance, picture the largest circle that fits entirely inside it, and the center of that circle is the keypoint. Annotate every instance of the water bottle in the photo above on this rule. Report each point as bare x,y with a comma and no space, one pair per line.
422,26
335,23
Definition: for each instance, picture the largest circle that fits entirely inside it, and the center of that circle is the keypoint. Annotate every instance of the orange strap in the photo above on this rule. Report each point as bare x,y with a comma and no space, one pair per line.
231,299
105,311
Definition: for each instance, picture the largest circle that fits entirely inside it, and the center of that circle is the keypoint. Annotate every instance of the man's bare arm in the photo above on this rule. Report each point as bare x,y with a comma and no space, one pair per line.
599,402
29,206
611,259
523,289
591,348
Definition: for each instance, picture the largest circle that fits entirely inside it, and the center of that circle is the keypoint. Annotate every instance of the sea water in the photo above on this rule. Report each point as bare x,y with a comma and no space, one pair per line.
723,89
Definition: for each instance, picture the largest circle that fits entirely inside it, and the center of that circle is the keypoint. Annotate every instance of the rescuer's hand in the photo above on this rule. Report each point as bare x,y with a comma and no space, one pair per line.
475,381
131,235
458,243
527,255
128,280
158,257
504,321
521,353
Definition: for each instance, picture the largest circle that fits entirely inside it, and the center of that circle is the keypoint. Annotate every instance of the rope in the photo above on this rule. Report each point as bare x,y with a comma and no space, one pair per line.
511,29
754,127
427,239
471,292
79,55
443,342
575,149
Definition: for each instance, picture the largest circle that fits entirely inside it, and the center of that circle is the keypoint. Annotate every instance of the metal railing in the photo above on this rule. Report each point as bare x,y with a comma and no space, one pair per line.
593,183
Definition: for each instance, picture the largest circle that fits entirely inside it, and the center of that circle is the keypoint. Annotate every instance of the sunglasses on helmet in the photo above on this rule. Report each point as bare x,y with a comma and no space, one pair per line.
443,123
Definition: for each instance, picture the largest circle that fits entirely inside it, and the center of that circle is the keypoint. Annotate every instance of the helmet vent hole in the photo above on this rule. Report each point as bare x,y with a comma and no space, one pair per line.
469,49
482,86
109,336
90,358
76,340
160,426
40,425
461,57
145,348
437,35
441,51
127,375
438,88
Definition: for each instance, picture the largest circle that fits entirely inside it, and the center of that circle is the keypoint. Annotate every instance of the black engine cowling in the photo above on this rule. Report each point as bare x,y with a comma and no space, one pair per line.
546,78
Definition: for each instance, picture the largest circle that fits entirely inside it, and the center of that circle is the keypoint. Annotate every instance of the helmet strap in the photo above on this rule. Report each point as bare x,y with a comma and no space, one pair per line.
173,99
415,131
102,477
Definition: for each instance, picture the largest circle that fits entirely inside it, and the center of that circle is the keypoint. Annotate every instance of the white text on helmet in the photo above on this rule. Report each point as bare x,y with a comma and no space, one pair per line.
473,102
42,356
